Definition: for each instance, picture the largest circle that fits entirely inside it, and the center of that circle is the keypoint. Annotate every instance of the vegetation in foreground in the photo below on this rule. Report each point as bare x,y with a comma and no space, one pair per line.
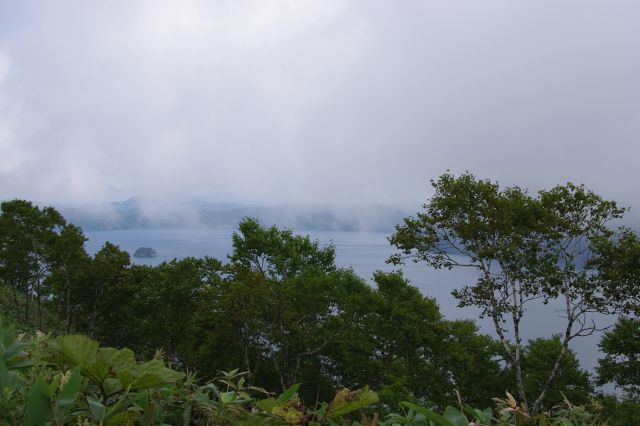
281,311
72,380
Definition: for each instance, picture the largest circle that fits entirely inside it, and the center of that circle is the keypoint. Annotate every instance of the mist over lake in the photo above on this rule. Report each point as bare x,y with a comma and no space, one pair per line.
365,252
497,141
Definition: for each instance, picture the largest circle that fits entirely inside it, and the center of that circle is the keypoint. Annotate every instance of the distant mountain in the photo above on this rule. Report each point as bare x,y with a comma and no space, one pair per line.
136,213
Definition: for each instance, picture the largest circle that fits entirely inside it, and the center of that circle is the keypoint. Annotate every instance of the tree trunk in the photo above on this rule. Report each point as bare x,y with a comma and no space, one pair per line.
40,315
26,305
514,358
67,299
515,316
556,367
15,300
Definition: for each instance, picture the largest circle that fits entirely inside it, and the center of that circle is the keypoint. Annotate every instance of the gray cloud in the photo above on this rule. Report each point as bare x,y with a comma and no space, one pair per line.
315,102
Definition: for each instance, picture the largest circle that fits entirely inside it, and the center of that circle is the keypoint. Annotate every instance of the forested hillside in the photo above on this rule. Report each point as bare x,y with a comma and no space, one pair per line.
279,313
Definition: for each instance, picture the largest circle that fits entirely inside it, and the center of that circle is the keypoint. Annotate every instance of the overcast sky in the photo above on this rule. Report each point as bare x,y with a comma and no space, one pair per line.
324,102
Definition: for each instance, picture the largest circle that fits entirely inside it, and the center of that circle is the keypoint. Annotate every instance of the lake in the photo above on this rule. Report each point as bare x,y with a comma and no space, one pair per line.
365,252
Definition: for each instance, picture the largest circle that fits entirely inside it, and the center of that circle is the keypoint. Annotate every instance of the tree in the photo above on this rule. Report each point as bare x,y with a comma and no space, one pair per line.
394,345
625,412
538,358
473,363
26,236
277,254
403,347
70,274
164,301
525,248
621,363
276,309
618,261
107,306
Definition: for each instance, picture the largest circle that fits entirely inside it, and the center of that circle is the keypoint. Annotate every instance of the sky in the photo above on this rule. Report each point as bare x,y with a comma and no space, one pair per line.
315,102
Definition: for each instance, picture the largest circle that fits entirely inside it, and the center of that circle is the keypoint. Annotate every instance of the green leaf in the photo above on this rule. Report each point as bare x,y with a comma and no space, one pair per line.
96,408
227,397
14,351
70,391
147,418
455,416
38,408
19,361
118,359
186,414
267,405
124,418
290,415
347,401
153,374
429,414
97,372
53,386
288,394
78,349
111,386
486,416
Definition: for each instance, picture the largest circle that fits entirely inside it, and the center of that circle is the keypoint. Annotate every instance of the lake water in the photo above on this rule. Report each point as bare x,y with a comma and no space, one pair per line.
365,252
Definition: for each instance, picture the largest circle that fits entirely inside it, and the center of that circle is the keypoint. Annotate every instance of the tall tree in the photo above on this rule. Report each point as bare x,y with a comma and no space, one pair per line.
107,305
70,275
27,233
165,299
621,361
279,305
404,348
525,249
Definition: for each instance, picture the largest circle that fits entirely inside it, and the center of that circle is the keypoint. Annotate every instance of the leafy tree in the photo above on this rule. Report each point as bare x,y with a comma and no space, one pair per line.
276,254
26,235
624,412
468,359
107,306
621,363
618,261
275,309
525,249
539,357
407,350
164,301
70,274
392,347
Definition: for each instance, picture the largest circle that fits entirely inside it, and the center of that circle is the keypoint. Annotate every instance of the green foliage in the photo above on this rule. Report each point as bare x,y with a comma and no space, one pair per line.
71,379
280,309
111,370
572,383
275,309
13,356
347,401
277,254
507,413
405,349
26,236
556,245
625,412
621,363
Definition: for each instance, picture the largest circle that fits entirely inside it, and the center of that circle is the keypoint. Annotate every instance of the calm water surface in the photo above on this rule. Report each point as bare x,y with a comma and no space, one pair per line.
365,252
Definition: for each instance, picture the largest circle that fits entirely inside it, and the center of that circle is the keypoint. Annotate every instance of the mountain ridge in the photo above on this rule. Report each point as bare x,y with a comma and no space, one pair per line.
137,213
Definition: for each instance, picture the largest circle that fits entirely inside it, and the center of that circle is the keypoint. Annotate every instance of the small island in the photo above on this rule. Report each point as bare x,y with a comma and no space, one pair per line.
145,252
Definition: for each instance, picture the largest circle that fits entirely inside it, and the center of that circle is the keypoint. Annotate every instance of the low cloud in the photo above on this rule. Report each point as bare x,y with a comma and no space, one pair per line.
319,103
